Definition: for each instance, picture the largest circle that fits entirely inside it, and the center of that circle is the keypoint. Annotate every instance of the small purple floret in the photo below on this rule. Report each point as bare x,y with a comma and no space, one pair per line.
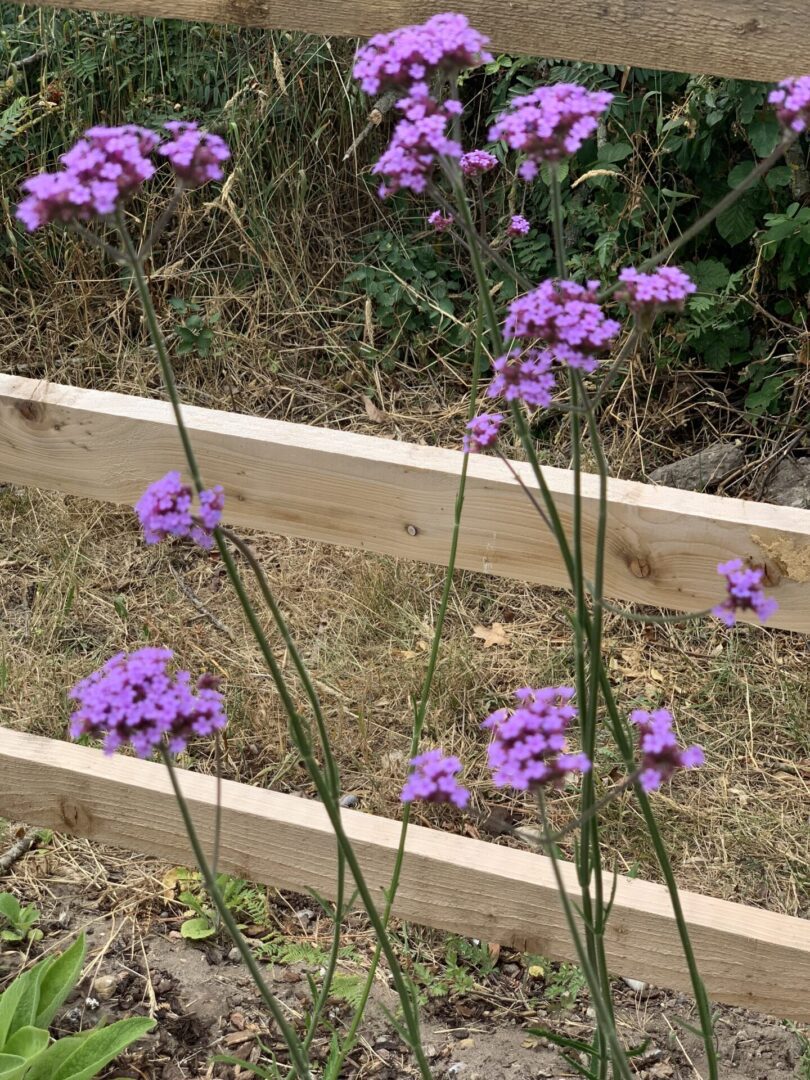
528,744
416,144
413,53
792,100
550,123
567,317
439,221
476,162
434,780
524,376
660,753
518,226
196,156
164,510
134,699
482,431
745,593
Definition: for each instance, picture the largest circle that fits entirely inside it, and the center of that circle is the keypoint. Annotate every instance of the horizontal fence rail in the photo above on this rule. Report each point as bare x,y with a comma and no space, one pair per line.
747,956
743,39
397,498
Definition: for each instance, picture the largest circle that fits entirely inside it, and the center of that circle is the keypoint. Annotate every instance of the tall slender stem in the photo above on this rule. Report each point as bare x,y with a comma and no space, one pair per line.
290,1038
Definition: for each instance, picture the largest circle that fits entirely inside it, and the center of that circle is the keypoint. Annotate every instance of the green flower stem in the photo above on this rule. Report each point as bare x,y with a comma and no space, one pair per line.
297,727
605,1020
589,858
290,1038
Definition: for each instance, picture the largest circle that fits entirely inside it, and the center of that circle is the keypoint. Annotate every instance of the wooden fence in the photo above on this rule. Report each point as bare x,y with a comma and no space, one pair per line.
397,498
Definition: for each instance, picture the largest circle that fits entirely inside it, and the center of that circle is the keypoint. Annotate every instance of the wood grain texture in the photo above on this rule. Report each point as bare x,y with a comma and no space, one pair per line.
745,39
397,498
747,956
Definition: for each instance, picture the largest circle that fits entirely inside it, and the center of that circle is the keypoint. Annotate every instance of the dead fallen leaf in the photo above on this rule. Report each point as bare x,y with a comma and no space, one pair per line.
491,635
373,412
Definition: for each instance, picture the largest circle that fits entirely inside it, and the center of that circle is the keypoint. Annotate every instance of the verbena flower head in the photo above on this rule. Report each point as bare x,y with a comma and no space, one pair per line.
415,146
660,753
745,592
104,167
663,289
518,226
135,699
476,162
434,780
196,156
524,376
439,221
528,744
550,123
567,317
165,510
482,431
792,100
412,53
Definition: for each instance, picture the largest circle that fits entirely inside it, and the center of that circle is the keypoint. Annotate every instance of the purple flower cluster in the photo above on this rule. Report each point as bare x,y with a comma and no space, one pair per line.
550,123
482,431
412,53
134,699
518,226
528,744
99,172
434,780
109,163
745,592
164,510
196,156
476,162
524,376
660,753
567,317
418,140
439,221
792,100
647,294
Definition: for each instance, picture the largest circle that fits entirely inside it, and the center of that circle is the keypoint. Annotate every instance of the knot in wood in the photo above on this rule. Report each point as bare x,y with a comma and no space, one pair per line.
76,817
639,566
411,530
32,411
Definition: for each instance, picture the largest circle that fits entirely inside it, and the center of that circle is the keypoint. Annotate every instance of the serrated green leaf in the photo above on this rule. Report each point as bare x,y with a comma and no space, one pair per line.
779,176
736,224
59,979
610,153
764,135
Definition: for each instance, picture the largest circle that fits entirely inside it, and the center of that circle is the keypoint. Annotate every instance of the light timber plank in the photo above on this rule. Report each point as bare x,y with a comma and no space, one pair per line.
747,956
397,498
744,39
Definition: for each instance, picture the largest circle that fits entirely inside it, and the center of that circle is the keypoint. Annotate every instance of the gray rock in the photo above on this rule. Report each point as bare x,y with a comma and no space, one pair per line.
699,471
789,484
350,802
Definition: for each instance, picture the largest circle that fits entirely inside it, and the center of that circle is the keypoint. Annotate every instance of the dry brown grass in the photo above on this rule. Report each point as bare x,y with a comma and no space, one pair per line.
76,584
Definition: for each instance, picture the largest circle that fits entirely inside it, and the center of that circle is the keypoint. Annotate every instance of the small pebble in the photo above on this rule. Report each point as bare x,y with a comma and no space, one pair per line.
349,802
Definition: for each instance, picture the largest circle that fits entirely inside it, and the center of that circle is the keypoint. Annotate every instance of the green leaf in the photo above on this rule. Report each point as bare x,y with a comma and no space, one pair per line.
27,1042
764,135
10,935
739,173
197,929
59,979
9,1000
12,1067
736,224
710,275
81,1057
9,907
28,1004
613,152
779,176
